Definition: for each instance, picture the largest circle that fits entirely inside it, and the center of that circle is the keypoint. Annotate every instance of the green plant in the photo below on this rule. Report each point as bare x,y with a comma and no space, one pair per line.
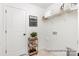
33,34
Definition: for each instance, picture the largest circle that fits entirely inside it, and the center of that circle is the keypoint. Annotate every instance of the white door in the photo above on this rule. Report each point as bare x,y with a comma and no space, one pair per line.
15,30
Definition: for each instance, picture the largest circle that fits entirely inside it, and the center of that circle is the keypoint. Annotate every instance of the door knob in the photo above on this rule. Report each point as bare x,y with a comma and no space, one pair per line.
24,34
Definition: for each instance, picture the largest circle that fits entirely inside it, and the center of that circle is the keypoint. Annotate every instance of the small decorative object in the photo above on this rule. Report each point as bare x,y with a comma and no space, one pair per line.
32,21
33,44
43,17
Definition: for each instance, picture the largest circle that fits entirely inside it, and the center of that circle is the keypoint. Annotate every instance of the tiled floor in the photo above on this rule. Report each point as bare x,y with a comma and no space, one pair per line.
41,53
44,53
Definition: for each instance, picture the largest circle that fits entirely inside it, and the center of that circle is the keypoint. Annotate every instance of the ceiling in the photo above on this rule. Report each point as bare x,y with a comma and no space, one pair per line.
43,5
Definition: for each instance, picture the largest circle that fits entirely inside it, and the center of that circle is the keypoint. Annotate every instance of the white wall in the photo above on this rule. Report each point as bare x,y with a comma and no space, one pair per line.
66,28
78,29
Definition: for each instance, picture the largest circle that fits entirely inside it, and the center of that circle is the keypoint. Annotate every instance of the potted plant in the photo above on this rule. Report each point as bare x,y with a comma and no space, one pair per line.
33,34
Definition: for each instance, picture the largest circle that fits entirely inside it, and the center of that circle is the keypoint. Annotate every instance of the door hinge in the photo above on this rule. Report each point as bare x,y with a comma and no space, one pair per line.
5,11
5,31
5,51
